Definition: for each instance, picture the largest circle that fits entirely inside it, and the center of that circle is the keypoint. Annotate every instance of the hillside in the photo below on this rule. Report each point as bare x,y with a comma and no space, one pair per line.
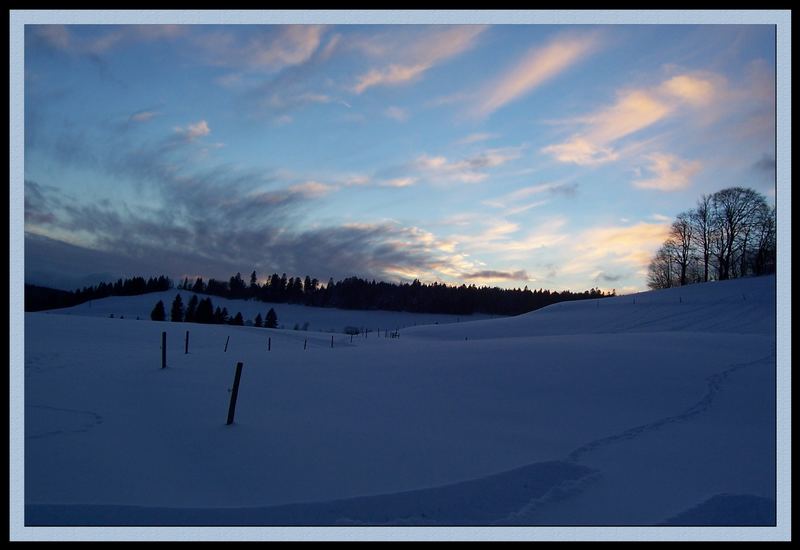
581,413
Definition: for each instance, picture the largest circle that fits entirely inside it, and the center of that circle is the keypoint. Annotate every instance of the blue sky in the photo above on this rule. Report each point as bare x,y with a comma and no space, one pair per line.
550,156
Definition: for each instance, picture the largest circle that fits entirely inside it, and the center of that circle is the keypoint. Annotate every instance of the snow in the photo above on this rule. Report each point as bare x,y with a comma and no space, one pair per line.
653,409
313,318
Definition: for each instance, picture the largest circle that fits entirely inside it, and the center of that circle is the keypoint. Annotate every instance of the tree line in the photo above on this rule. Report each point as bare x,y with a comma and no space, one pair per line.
203,311
349,293
38,298
357,293
729,234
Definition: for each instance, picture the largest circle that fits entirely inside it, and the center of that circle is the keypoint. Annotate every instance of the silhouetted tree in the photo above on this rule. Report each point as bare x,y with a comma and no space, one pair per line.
730,232
205,311
176,313
199,287
272,319
702,231
191,308
238,319
258,322
158,313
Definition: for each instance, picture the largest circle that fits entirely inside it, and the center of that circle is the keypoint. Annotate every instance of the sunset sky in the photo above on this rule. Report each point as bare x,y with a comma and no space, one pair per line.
550,156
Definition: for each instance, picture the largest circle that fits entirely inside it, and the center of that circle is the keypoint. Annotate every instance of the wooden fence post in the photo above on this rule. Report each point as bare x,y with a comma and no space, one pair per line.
331,340
305,343
234,392
269,343
226,342
163,350
187,343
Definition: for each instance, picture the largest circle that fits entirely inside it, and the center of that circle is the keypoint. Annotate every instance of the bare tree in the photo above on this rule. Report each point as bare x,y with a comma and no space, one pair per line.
702,231
764,240
731,231
661,273
734,211
680,237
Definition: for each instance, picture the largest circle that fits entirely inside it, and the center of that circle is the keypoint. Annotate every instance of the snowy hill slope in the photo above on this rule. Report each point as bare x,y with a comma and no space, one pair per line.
578,414
289,315
736,306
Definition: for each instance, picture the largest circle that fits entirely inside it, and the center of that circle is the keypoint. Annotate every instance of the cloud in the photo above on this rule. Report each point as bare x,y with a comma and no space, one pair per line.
41,204
520,275
609,278
399,182
513,202
670,173
536,67
143,116
630,247
391,75
396,113
414,55
695,90
765,164
509,241
269,49
580,151
468,170
633,111
312,189
357,179
217,221
193,131
69,40
478,137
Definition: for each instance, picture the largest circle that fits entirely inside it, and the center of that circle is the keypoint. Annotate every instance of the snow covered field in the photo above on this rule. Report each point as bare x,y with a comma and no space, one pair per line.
653,409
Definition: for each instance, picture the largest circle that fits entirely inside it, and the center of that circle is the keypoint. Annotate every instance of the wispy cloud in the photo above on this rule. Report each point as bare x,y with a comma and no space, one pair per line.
396,113
626,247
271,48
143,116
536,67
633,111
193,131
518,201
63,38
468,170
670,173
398,182
312,189
415,55
478,137
490,275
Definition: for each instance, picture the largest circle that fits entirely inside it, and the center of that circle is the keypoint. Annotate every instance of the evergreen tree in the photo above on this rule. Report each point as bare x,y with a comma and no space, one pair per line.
259,322
272,319
176,313
253,282
158,313
199,286
238,320
205,311
191,309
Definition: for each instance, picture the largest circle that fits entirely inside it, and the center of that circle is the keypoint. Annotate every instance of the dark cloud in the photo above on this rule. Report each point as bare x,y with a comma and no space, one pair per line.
565,189
521,275
609,278
212,221
765,165
215,222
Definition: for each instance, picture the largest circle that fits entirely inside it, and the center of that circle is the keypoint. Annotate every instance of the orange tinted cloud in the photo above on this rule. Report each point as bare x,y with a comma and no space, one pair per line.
538,66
